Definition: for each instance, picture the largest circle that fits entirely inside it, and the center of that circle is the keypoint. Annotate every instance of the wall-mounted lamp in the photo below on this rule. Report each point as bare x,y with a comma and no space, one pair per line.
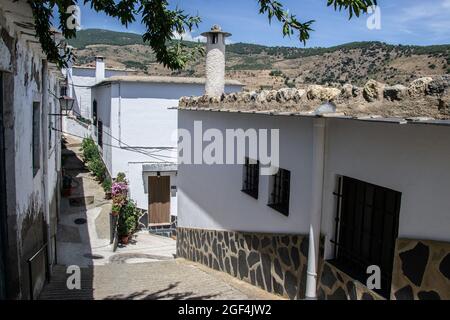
66,103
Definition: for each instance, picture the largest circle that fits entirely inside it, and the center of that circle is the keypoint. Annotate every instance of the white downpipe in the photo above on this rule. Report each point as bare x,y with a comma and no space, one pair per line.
316,208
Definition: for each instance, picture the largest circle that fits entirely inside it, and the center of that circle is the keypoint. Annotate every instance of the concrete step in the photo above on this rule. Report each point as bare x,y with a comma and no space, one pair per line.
165,232
75,201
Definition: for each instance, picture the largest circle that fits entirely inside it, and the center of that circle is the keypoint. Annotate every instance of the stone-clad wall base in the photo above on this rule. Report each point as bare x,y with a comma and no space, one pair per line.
421,270
337,285
273,262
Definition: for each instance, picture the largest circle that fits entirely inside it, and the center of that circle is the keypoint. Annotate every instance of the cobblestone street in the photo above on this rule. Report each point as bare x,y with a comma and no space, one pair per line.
176,279
146,268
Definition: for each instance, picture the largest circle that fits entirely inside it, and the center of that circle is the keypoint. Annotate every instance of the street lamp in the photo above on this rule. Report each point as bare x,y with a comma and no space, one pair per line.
66,103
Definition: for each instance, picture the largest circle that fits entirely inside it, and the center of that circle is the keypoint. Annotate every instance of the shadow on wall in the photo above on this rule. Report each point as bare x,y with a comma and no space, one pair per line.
33,237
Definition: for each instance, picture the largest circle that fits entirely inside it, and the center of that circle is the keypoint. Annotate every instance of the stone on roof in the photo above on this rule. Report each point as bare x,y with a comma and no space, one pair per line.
423,98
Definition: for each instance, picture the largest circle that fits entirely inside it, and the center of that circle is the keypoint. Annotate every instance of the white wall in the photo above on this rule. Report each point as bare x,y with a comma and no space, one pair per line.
209,196
28,195
80,83
105,112
143,117
411,159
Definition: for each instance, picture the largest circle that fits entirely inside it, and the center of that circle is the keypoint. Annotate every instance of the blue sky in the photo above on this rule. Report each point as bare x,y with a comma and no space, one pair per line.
419,22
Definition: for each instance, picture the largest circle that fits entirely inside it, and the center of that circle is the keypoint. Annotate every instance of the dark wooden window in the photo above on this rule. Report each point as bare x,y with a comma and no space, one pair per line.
250,177
366,229
280,190
100,133
36,132
94,113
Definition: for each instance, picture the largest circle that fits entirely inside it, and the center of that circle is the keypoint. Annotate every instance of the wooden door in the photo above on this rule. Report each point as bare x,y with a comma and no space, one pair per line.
159,199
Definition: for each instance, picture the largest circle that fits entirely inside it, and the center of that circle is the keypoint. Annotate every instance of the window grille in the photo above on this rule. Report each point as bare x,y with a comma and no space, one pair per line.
366,229
280,190
250,181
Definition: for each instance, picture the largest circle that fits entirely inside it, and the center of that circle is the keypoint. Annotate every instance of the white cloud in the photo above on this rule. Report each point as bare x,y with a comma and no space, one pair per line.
189,37
425,10
422,18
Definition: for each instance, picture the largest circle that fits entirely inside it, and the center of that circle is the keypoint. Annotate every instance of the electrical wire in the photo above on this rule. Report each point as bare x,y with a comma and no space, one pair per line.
160,149
128,147
110,145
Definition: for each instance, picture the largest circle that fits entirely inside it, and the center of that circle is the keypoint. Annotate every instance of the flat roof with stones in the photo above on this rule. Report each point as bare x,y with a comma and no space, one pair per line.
425,101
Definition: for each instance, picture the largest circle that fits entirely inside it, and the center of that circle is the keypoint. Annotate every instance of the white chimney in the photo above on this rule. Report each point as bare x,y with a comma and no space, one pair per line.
99,69
215,61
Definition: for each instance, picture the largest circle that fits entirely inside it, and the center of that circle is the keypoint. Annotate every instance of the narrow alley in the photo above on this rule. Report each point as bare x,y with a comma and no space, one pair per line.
146,268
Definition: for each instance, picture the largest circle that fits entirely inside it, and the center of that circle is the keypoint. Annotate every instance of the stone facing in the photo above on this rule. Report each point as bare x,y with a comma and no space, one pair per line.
421,270
337,285
273,262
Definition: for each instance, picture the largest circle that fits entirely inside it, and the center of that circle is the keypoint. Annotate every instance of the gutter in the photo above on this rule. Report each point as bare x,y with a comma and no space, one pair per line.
319,137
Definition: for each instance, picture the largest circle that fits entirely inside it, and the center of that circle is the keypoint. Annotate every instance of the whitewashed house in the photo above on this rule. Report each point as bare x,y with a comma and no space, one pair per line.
30,153
360,182
79,82
135,126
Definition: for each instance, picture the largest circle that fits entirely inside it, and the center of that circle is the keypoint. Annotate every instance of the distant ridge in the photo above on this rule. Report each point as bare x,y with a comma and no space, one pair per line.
260,66
88,37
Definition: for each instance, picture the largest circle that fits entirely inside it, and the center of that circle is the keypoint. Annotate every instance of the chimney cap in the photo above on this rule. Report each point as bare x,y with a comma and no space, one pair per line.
216,29
99,58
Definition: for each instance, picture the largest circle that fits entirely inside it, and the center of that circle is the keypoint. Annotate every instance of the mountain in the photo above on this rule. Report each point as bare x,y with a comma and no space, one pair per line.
260,66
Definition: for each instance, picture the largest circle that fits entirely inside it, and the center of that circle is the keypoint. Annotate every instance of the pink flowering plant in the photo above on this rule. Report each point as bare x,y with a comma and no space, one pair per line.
119,188
119,192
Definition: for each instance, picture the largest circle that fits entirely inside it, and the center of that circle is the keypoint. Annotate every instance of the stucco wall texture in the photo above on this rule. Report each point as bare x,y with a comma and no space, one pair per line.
30,195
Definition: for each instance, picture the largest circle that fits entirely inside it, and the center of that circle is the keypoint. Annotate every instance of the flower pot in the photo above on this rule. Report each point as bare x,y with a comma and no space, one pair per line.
115,213
124,239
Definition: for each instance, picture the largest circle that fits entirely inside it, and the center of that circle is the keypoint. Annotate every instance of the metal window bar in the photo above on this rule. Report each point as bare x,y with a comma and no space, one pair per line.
347,252
280,191
251,177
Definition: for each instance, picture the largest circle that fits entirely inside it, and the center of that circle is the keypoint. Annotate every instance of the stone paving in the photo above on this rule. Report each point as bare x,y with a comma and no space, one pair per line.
89,243
175,279
144,269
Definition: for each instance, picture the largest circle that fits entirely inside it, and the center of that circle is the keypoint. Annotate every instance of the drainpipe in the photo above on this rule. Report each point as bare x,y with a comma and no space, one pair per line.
319,127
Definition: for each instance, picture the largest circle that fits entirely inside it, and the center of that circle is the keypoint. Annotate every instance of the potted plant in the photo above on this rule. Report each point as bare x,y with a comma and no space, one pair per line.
107,187
115,210
121,177
127,222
